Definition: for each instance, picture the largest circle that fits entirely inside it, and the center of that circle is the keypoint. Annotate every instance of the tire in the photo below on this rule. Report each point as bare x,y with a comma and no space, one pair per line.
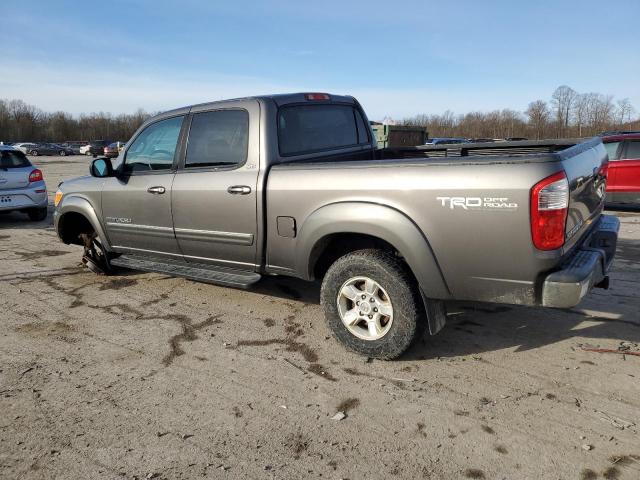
88,153
62,153
34,153
393,334
37,214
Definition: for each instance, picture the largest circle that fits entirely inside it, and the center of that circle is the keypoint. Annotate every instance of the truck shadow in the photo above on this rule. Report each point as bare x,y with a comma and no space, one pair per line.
481,328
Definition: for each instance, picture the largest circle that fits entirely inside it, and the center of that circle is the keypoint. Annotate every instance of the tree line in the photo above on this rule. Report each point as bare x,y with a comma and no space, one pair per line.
567,114
21,122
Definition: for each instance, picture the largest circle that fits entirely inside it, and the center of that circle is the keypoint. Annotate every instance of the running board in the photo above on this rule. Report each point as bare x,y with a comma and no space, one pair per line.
193,271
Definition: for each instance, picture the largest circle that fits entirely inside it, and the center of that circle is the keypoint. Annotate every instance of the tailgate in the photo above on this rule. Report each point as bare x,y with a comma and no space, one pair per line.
585,165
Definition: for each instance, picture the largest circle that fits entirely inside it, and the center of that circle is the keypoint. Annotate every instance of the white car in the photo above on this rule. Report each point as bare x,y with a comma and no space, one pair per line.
84,150
24,147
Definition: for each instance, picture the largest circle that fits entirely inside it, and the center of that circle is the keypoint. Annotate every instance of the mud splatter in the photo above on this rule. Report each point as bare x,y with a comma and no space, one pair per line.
188,334
58,330
501,449
461,413
488,429
298,444
588,474
348,404
269,322
319,370
550,396
118,284
237,412
293,331
474,473
611,473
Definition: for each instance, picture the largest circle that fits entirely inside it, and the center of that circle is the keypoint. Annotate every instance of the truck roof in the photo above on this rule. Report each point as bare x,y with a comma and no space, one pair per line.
279,99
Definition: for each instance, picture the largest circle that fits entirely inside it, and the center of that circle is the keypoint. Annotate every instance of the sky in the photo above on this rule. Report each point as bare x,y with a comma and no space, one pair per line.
399,58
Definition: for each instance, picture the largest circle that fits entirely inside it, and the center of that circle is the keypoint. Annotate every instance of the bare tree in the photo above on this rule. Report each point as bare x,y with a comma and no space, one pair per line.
538,114
562,100
625,110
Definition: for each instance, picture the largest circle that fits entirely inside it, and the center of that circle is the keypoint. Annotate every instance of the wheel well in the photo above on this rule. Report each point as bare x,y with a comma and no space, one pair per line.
334,246
71,225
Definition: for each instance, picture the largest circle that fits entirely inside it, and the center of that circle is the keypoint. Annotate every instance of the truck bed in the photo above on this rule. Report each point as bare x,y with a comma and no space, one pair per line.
474,247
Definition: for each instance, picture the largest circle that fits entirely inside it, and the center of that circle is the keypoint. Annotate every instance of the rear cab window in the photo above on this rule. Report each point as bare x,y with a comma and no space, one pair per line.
13,159
304,129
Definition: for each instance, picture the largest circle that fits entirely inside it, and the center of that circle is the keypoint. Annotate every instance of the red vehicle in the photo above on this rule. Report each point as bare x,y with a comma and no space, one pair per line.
623,182
113,149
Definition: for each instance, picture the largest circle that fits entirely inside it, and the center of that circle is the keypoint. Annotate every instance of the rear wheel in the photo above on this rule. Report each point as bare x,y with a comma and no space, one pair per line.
372,304
37,214
88,153
34,153
95,257
62,153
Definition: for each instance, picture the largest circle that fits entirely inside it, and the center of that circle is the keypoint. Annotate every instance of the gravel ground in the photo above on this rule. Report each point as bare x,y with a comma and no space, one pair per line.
146,376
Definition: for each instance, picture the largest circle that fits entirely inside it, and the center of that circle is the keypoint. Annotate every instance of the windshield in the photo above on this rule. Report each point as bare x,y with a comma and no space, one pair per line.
13,159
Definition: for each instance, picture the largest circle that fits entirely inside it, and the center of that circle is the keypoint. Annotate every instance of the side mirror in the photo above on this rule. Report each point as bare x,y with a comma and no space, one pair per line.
101,168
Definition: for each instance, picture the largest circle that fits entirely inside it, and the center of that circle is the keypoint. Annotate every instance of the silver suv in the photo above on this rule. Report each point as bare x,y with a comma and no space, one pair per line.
22,185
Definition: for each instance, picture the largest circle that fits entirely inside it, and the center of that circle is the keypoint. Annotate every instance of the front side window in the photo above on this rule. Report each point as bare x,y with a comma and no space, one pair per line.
633,150
312,128
155,147
218,139
612,150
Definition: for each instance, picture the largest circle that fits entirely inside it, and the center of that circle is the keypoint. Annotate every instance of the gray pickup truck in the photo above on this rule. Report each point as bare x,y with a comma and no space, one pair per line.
229,191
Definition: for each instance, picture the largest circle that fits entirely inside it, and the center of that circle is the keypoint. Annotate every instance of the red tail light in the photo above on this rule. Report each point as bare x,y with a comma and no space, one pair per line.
35,176
549,206
317,96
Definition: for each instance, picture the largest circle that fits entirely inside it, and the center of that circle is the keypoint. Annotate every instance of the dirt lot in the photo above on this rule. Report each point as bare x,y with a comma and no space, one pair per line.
146,376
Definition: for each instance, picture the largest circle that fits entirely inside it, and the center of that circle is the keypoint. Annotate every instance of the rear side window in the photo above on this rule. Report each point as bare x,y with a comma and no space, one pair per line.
633,150
218,139
13,159
313,128
612,150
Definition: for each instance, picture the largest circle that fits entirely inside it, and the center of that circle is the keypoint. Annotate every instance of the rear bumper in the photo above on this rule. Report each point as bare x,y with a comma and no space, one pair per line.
587,267
24,198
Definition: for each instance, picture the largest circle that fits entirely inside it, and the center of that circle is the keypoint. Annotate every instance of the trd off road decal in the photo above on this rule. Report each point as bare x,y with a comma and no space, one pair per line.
478,203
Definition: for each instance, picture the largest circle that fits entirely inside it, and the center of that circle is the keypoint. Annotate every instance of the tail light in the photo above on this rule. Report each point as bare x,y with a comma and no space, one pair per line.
317,96
35,176
549,206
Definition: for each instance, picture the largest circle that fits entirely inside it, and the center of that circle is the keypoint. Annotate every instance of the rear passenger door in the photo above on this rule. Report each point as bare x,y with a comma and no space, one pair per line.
214,191
627,176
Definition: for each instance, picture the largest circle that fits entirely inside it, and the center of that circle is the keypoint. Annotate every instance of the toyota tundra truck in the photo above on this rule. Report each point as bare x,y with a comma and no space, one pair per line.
230,191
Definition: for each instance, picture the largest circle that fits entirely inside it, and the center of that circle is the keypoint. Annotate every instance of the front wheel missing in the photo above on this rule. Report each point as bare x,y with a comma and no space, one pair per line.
95,257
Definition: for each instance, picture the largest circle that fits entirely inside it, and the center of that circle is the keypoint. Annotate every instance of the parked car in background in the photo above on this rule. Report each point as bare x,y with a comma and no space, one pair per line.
623,178
113,149
24,146
49,149
95,147
73,148
446,141
22,185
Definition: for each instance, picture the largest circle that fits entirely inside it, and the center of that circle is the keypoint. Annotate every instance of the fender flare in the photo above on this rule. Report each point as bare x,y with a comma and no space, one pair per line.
81,205
379,221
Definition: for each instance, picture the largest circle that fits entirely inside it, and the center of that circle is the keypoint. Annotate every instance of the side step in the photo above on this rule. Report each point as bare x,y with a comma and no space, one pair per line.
193,271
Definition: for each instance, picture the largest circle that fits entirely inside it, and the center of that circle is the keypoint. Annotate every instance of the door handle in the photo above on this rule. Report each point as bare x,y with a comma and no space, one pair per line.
239,190
156,190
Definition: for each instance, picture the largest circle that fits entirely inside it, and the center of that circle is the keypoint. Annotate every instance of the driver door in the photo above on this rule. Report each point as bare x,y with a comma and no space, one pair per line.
136,203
